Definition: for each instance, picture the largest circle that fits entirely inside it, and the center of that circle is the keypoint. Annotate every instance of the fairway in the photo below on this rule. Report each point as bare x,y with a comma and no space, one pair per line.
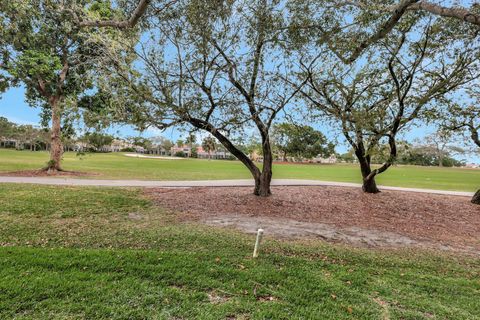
118,166
116,255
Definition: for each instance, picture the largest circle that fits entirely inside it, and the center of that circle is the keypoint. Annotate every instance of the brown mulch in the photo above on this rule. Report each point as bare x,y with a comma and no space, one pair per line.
44,173
446,220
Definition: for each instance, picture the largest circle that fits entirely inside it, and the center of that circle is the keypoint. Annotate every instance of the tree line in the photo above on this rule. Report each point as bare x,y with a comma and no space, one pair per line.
290,143
371,70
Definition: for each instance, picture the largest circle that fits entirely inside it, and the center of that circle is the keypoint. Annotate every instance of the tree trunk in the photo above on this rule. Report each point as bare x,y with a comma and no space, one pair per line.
440,161
262,185
476,198
56,148
369,185
262,178
263,181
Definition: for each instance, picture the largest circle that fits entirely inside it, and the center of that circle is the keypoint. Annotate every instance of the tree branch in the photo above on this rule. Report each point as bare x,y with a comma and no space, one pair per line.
122,24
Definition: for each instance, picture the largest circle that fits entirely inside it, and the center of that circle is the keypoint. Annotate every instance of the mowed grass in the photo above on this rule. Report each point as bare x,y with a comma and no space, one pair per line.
100,253
118,166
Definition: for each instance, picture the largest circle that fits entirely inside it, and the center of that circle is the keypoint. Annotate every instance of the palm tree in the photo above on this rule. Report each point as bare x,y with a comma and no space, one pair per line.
208,144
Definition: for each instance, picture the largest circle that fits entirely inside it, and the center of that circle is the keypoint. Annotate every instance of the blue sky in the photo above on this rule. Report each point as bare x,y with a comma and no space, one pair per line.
14,108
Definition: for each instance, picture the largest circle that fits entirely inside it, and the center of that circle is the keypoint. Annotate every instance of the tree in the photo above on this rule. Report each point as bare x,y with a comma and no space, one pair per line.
135,16
98,140
145,143
162,143
46,51
440,145
469,15
225,73
180,143
301,141
208,144
191,139
351,27
7,129
465,120
193,152
373,100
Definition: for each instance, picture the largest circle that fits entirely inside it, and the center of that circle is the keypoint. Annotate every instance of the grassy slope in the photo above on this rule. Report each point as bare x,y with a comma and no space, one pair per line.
117,166
83,257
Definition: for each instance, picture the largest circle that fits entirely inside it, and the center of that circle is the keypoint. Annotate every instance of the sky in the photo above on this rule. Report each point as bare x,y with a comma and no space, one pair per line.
14,108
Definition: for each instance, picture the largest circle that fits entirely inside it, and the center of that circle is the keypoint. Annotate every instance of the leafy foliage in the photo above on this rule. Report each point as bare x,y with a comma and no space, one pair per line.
301,141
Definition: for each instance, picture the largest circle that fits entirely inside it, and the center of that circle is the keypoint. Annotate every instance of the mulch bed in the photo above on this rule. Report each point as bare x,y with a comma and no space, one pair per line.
447,220
43,173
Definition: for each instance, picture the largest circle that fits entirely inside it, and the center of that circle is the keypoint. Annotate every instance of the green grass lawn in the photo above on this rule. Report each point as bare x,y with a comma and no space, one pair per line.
100,253
118,166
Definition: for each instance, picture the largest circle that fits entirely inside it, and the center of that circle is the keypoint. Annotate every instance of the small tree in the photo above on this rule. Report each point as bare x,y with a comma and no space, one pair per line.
98,140
216,71
193,152
440,144
180,143
208,144
49,52
162,143
301,141
190,140
465,120
373,100
142,142
7,129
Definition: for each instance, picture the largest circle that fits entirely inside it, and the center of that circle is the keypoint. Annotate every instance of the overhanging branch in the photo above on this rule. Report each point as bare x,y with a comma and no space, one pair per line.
122,24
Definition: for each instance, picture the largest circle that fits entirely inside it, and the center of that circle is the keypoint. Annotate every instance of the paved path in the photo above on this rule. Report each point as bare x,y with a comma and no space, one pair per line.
205,183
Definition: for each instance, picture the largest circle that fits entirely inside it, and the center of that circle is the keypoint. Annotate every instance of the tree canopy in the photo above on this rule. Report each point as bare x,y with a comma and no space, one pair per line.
301,141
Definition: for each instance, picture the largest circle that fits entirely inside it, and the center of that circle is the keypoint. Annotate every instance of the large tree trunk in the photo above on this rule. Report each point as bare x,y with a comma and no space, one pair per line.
262,185
440,161
369,185
262,178
476,198
56,148
263,181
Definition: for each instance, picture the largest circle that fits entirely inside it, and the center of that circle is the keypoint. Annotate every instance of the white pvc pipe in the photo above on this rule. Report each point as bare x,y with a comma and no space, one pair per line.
257,243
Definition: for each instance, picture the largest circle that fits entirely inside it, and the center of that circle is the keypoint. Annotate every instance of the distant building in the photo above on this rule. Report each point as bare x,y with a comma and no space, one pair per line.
201,153
330,160
472,166
118,145
187,151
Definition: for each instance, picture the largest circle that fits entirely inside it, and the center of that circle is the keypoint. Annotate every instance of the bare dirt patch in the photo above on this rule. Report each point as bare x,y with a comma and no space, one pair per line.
44,173
338,214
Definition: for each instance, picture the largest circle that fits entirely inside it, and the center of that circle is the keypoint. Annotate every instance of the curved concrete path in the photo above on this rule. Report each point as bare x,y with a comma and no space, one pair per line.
206,183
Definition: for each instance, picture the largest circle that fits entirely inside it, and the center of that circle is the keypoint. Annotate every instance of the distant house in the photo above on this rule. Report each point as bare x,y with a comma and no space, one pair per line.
159,150
472,166
330,160
8,143
80,146
184,148
118,145
201,153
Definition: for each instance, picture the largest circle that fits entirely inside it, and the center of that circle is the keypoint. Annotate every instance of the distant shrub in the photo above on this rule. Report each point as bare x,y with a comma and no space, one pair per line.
127,150
180,154
194,153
